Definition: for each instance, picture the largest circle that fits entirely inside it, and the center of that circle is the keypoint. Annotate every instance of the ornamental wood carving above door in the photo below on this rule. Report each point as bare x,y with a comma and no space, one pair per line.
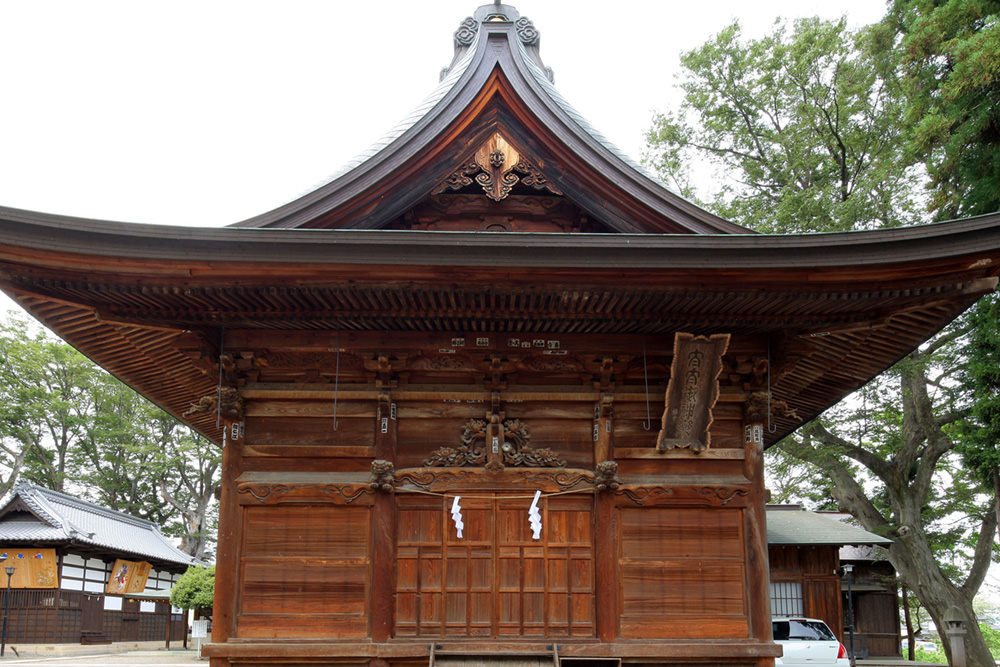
494,445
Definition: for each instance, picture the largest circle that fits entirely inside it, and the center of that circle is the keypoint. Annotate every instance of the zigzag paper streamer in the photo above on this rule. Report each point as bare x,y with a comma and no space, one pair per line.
456,516
535,518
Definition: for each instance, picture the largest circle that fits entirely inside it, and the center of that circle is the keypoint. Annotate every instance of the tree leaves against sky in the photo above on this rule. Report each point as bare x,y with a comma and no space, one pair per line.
796,123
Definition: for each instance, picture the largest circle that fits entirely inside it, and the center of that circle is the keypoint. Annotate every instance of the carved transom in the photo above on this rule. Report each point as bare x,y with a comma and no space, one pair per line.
497,167
513,452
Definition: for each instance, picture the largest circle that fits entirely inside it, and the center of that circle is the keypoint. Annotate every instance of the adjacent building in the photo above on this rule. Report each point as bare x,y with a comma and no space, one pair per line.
84,573
808,552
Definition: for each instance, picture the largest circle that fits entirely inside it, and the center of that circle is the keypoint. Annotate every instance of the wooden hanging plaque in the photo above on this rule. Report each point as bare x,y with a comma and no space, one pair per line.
692,391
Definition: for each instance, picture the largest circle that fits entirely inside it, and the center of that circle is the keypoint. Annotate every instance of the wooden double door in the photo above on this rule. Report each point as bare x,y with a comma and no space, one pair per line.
496,580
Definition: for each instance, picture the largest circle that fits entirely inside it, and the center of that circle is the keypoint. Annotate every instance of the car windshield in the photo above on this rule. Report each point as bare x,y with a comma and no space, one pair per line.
801,630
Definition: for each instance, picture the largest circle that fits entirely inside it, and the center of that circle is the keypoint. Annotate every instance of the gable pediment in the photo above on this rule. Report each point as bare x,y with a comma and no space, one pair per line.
18,510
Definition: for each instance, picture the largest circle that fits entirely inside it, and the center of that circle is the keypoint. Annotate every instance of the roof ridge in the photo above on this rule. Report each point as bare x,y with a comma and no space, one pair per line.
67,499
26,491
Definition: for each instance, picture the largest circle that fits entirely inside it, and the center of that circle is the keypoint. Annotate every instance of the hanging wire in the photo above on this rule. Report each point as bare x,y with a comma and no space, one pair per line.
218,394
771,428
648,424
336,385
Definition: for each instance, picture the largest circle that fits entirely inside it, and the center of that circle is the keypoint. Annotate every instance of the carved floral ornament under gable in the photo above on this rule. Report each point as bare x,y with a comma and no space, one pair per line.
497,167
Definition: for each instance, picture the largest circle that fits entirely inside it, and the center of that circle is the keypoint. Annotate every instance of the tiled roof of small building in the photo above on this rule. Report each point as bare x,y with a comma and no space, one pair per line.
60,518
793,525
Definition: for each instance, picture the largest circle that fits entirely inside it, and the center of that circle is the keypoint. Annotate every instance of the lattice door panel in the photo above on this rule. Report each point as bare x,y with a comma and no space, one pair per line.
496,580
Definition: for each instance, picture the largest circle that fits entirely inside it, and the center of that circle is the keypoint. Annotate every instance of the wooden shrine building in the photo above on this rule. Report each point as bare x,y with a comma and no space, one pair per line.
492,390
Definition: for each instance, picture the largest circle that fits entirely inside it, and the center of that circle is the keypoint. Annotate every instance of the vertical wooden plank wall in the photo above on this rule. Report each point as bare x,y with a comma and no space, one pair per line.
314,549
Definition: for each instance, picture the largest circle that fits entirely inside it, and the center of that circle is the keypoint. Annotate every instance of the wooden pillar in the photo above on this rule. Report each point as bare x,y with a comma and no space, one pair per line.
605,523
755,525
606,566
603,428
227,559
383,587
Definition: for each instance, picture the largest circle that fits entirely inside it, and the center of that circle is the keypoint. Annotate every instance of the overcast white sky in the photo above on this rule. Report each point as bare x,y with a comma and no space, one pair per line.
205,113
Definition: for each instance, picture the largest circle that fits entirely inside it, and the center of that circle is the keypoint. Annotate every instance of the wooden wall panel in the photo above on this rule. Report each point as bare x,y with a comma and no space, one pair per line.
821,599
305,571
631,432
876,616
571,439
308,436
682,573
416,439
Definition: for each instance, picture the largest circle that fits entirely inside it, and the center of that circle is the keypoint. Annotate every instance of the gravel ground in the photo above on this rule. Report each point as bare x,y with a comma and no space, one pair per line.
163,658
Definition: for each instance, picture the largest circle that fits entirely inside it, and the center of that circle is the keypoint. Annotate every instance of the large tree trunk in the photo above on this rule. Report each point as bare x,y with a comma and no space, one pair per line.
908,617
916,565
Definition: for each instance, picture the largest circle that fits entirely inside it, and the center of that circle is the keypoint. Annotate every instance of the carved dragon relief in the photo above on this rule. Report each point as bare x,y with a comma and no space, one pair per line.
497,166
513,451
429,479
713,496
228,399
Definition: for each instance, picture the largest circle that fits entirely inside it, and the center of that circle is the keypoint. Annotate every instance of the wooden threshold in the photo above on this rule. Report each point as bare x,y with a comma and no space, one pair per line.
665,649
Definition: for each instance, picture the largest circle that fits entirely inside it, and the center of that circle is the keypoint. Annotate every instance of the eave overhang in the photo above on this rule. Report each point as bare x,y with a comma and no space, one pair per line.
966,244
132,296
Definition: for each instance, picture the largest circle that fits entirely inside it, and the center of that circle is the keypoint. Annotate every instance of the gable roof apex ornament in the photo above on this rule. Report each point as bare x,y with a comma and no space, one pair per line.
497,13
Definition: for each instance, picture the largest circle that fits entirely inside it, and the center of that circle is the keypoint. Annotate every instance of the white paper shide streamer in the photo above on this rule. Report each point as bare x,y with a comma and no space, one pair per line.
456,516
535,518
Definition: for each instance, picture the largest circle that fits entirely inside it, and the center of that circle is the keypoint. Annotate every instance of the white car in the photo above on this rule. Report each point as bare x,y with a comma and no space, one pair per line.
808,641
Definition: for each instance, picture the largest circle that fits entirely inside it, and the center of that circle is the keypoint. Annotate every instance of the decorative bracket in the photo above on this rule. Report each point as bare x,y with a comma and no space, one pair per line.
383,476
606,476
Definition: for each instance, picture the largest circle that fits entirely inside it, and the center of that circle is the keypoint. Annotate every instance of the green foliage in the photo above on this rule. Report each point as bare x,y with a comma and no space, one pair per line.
980,436
934,657
951,56
43,401
195,589
803,123
65,421
992,637
808,129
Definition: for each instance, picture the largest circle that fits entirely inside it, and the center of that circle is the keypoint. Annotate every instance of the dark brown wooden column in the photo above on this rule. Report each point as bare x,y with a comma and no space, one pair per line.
383,589
755,525
227,558
606,566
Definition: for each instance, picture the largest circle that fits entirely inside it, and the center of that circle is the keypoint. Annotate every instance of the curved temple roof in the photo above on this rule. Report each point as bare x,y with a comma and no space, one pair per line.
495,83
151,303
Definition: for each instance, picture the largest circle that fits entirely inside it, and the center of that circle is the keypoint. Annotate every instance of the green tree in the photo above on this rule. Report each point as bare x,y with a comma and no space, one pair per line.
803,124
193,465
140,460
44,402
807,127
195,589
64,420
950,52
